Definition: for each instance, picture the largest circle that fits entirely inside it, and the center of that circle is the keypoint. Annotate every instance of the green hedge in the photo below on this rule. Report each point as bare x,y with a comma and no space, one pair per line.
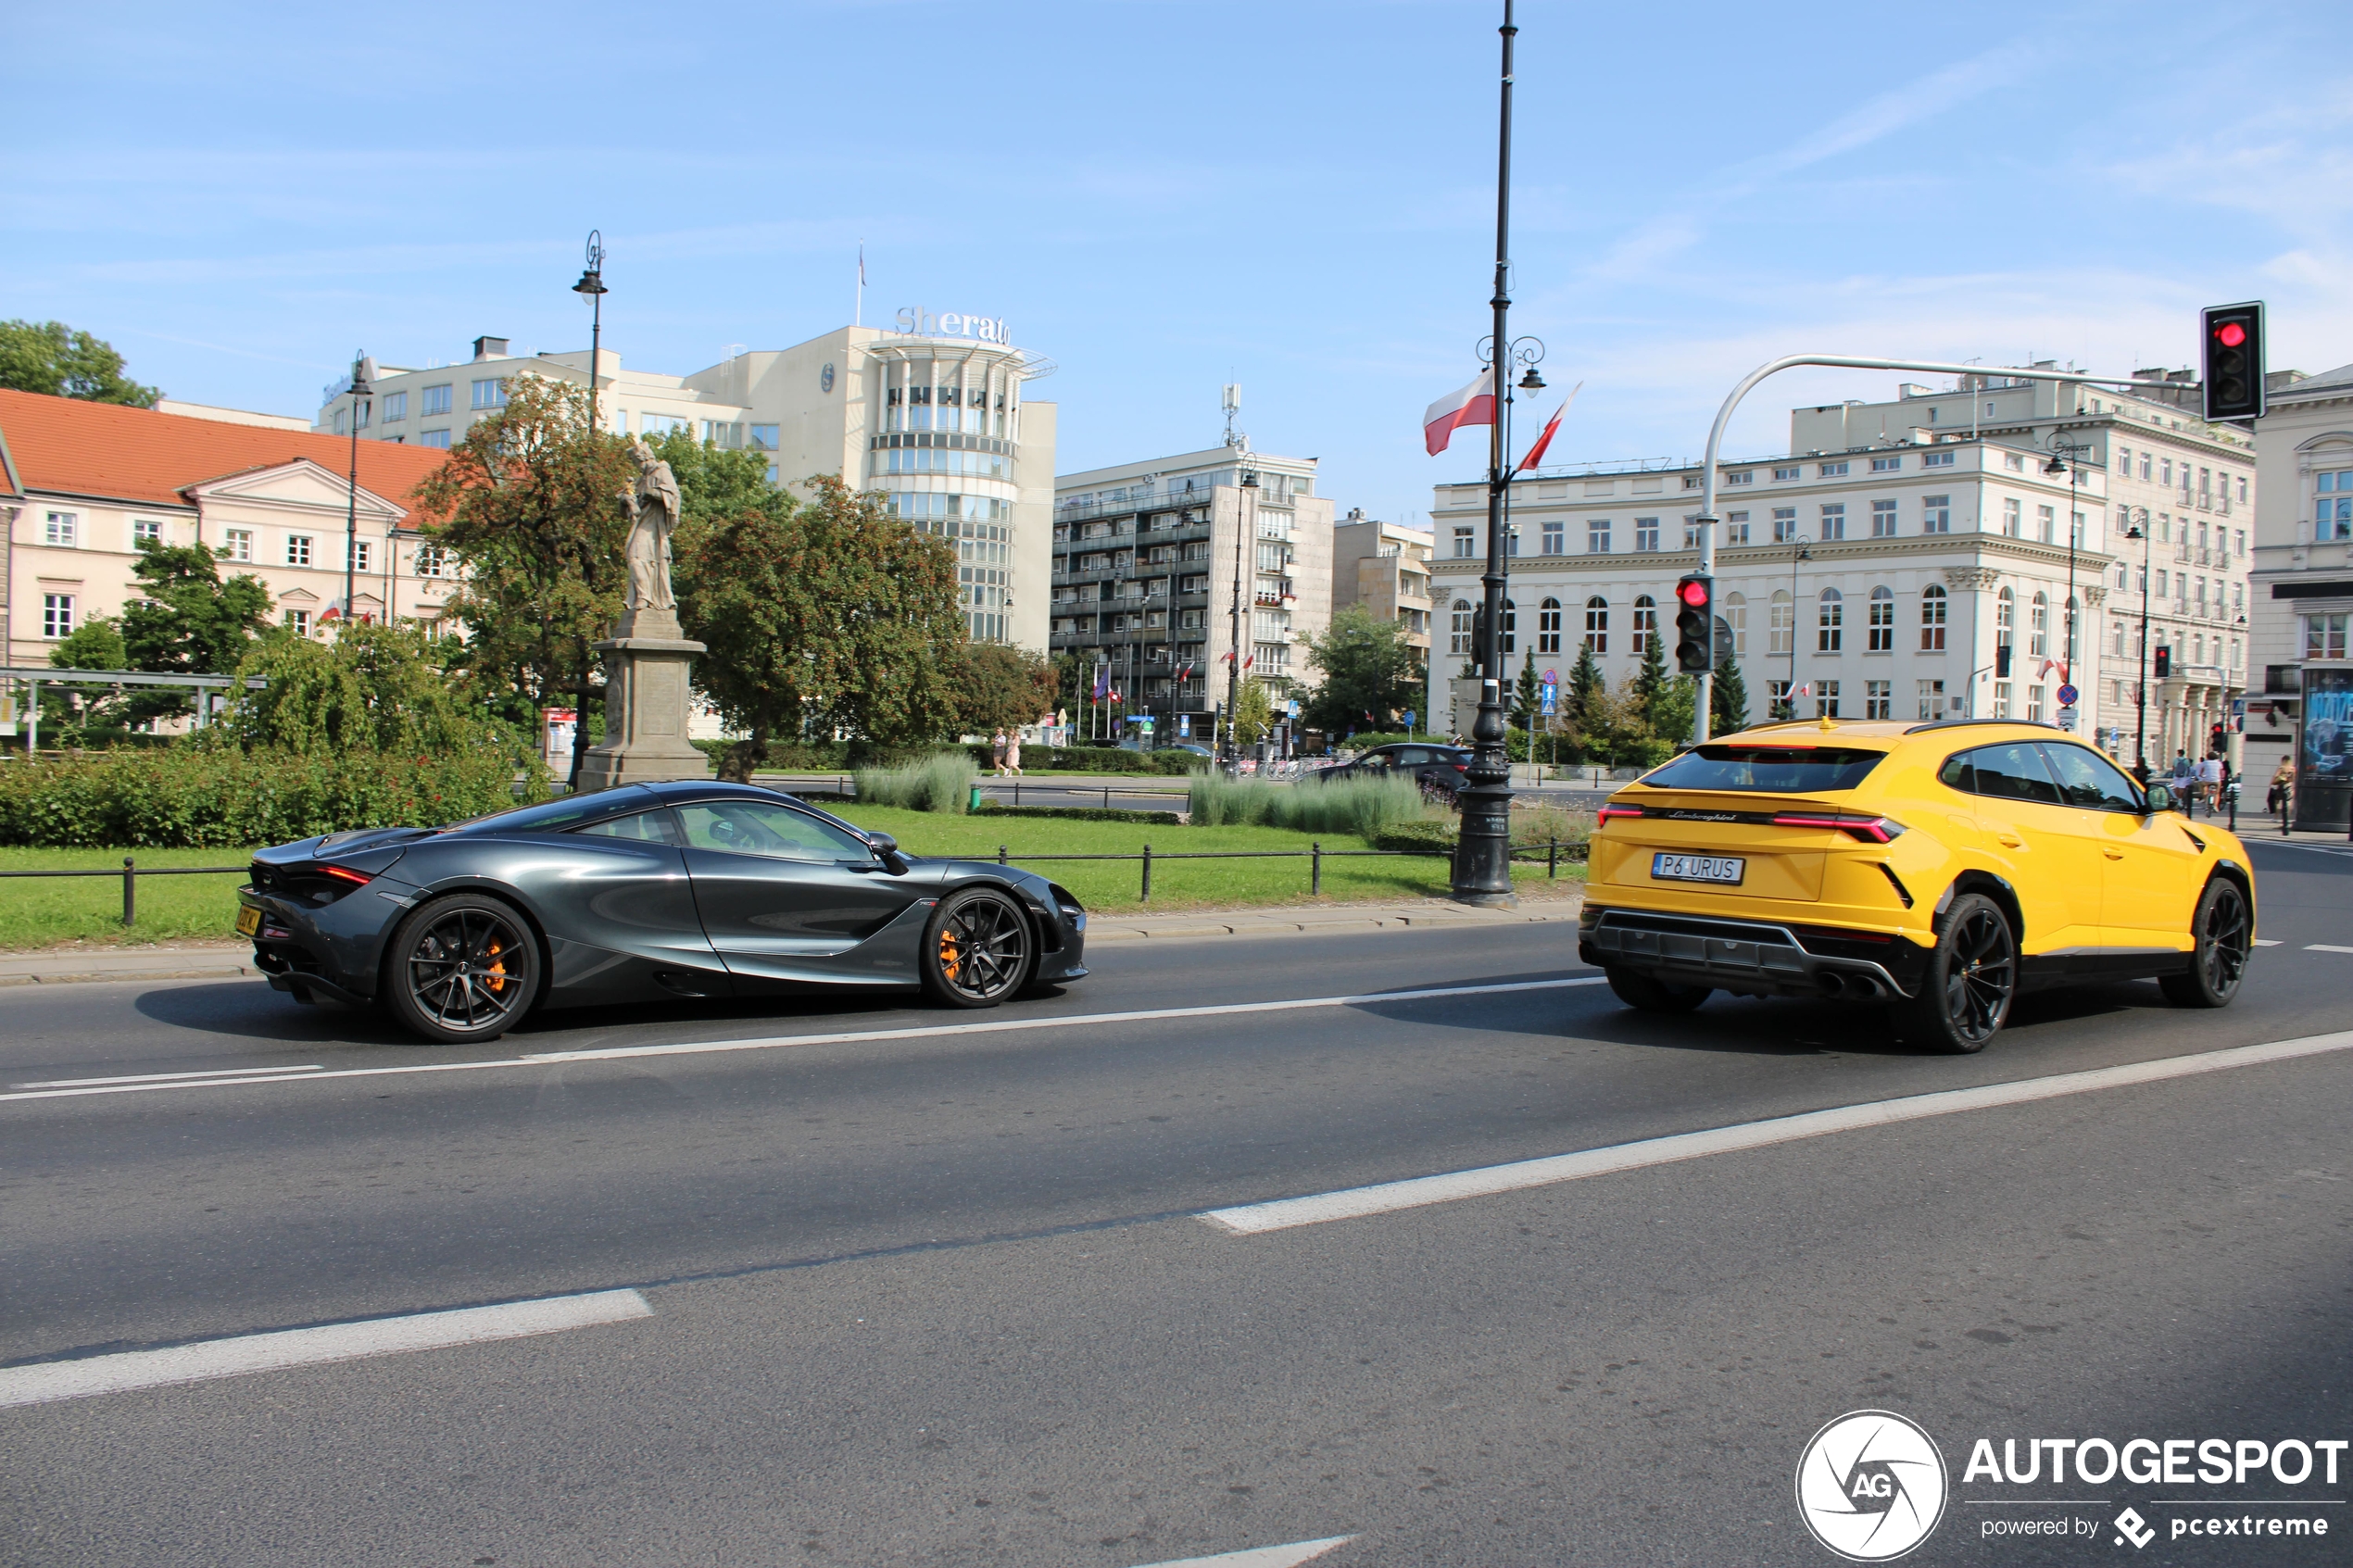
191,797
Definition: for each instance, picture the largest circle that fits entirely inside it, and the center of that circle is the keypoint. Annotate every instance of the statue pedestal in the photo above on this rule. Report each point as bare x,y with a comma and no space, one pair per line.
646,664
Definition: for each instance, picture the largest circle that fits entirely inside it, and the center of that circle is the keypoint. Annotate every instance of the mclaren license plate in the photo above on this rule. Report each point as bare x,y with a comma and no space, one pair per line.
1724,869
249,920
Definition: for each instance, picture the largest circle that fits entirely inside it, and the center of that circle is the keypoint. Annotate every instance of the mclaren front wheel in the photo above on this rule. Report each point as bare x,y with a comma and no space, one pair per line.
978,949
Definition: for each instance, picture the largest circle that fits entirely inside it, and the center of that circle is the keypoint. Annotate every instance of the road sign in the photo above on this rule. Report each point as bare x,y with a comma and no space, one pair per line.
1552,677
1409,721
1292,706
1550,692
1184,723
2067,719
2067,696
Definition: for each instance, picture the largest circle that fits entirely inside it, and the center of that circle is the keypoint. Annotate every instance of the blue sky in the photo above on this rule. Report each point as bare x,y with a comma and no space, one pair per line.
1165,196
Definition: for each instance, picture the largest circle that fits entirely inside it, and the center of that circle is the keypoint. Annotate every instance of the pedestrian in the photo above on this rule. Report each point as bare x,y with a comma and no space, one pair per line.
997,751
1012,754
2182,768
2283,786
2210,779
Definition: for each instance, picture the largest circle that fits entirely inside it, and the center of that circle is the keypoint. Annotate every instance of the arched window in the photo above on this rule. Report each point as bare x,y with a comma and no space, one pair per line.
1645,625
1459,639
1829,632
1883,630
1597,625
2038,636
1511,626
1783,640
1736,617
1548,626
1932,608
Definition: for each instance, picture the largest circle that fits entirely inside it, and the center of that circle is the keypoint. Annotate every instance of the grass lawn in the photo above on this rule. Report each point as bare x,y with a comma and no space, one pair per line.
44,911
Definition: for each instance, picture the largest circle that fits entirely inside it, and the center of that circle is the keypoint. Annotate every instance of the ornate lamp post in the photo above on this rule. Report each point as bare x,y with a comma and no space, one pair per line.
2062,451
2141,730
363,379
592,288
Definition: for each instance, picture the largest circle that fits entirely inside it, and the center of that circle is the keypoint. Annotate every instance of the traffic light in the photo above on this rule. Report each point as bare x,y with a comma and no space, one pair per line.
1695,626
2161,661
2216,744
2233,339
2001,661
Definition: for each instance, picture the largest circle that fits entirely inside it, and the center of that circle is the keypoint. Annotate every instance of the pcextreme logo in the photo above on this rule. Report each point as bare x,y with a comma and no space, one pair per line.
1871,1486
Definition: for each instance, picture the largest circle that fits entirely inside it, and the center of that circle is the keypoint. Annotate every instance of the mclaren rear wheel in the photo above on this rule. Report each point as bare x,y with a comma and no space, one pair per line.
462,967
978,949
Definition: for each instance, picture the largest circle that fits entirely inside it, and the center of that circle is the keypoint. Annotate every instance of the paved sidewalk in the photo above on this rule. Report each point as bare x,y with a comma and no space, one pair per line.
233,961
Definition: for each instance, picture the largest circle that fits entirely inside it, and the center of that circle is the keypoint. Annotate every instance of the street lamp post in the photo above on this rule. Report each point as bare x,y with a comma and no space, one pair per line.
1799,552
2067,457
592,287
2140,530
1245,523
363,379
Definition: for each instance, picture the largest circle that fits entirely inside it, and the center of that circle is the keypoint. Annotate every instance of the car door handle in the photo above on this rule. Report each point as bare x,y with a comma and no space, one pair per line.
2010,841
2113,854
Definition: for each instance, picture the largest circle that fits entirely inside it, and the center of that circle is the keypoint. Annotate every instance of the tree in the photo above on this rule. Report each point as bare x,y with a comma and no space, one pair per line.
826,615
1528,696
51,358
1585,684
1673,709
185,621
1651,682
373,688
530,505
995,688
1728,705
1254,715
1371,671
715,481
96,644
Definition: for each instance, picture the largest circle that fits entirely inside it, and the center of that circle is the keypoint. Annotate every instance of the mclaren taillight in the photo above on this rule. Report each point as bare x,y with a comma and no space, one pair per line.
1603,817
345,873
1865,830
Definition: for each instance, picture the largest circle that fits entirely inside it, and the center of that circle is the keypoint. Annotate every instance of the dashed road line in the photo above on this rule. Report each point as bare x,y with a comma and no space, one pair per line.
1287,1213
165,1077
1287,1556
2325,948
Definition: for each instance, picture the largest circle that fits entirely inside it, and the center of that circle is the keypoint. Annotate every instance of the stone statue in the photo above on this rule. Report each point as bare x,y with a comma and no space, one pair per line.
653,514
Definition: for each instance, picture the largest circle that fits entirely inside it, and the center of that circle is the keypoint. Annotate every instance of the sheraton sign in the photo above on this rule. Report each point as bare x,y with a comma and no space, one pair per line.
917,321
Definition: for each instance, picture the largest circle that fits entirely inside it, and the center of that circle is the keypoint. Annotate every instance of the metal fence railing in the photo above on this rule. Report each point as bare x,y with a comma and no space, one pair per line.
130,874
1552,850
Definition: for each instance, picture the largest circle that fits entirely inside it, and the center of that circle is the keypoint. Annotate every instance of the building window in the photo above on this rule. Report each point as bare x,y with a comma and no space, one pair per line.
429,560
2013,522
145,531
2034,705
1933,605
492,393
2004,618
1548,626
1833,520
1833,470
1936,459
1736,614
1785,524
1936,514
395,407
299,621
1509,641
2046,524
2333,513
1886,465
1511,541
1830,632
1882,520
1556,536
1645,625
359,554
1597,625
237,544
1781,638
1744,476
1826,700
1691,532
2038,630
1459,639
298,549
2323,636
1597,536
62,529
2001,699
1462,544
56,617
1645,534
436,439
1879,699
1783,476
1736,528
1777,701
436,399
1932,700
1881,637
763,438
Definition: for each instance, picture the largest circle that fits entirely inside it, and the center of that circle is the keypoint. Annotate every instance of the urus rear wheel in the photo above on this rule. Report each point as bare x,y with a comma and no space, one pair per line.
1970,982
979,948
2224,931
462,967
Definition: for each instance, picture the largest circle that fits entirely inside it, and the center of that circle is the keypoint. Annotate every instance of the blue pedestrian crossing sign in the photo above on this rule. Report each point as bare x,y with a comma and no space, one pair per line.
1550,696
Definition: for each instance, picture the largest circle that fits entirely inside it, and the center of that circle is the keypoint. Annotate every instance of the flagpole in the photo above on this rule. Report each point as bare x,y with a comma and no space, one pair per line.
858,312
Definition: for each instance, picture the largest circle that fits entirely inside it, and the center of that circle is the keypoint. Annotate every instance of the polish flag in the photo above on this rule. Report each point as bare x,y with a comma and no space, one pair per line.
1536,453
1473,405
1251,660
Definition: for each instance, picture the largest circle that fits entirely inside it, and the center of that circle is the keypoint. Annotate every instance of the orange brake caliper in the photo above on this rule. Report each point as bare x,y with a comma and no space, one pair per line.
950,959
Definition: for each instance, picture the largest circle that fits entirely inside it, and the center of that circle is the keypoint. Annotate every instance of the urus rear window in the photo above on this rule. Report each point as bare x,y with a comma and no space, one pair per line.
1767,770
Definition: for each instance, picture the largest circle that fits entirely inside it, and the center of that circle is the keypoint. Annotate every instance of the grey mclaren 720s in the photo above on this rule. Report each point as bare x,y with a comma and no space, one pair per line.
640,894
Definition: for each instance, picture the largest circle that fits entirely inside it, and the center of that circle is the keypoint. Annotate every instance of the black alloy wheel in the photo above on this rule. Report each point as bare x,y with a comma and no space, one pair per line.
2224,931
462,967
1970,979
1651,994
978,950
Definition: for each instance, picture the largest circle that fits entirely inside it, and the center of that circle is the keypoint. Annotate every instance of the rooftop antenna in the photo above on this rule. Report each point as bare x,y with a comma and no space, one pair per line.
1231,401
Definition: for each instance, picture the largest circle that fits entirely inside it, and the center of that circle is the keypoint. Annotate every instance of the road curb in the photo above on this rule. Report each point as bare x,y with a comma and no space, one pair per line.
1176,928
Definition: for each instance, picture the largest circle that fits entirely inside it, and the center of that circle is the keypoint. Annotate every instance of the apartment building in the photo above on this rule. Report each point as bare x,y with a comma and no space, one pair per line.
1152,557
2303,593
1384,567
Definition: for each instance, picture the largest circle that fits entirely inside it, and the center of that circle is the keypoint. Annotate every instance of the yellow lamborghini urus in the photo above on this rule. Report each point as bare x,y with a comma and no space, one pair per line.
1937,869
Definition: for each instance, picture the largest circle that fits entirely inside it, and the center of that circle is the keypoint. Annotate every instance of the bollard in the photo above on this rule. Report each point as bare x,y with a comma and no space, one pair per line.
130,891
973,804
1017,793
1148,874
1316,870
1553,858
1106,797
1000,854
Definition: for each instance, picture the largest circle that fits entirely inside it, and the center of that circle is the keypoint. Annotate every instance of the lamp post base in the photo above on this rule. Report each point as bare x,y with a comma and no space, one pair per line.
1483,851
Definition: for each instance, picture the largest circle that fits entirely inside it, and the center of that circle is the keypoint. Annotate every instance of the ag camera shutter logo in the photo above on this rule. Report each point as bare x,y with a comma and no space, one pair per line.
1871,1486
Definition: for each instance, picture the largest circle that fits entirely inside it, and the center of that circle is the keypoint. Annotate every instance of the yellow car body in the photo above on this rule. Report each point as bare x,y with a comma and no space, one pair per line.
1820,858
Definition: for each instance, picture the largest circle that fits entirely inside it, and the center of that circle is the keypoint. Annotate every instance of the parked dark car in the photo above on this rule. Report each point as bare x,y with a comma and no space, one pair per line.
637,894
1438,769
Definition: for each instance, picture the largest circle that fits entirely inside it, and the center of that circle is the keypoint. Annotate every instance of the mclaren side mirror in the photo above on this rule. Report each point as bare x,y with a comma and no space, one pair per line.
2159,798
886,849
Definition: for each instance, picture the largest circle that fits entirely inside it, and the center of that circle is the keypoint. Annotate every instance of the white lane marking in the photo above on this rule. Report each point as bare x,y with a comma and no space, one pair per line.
2324,948
166,1077
47,1380
2267,941
776,1042
1252,1218
1260,1556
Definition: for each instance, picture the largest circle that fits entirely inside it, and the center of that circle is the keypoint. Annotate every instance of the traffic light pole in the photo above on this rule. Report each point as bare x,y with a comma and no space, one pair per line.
1707,519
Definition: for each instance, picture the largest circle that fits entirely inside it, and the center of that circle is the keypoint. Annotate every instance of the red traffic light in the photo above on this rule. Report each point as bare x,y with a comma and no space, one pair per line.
2230,334
1694,593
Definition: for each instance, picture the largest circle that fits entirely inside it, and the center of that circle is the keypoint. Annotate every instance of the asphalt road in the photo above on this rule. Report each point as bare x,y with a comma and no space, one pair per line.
946,1297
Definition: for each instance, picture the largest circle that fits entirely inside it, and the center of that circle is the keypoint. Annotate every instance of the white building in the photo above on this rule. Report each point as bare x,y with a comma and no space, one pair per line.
2303,587
1149,558
932,415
